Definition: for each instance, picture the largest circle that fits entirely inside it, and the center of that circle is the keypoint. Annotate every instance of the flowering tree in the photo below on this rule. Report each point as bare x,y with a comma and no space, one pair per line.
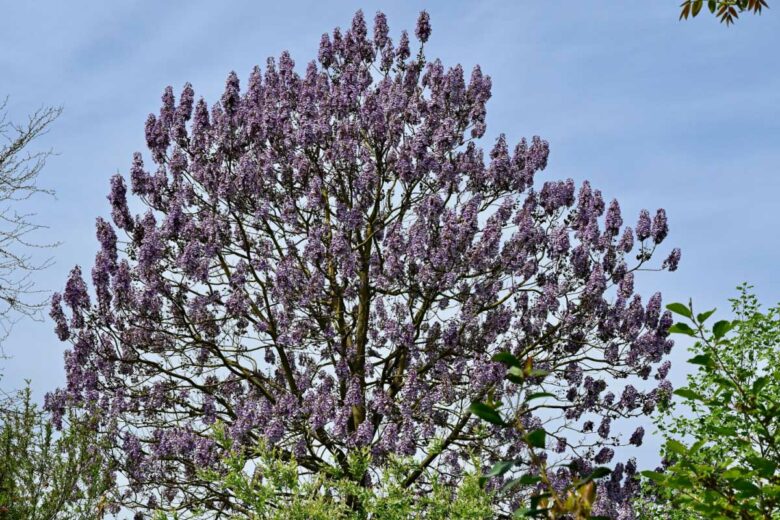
328,262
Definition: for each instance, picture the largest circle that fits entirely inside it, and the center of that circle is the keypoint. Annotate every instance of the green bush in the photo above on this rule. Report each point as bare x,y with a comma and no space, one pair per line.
276,489
45,474
722,447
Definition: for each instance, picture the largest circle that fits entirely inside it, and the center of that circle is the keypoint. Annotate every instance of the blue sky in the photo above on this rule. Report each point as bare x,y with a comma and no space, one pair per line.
655,112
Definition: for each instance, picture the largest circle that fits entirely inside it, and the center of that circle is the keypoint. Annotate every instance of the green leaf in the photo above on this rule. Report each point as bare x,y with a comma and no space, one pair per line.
507,359
728,431
679,482
536,438
746,487
676,447
529,479
682,328
697,446
515,379
702,316
511,484
654,476
733,473
697,7
759,384
721,328
725,383
525,480
687,393
538,395
486,413
679,308
516,371
537,372
598,473
701,359
499,468
766,468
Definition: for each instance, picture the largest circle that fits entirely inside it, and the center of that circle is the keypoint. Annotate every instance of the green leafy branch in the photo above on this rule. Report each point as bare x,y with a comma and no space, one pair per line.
726,10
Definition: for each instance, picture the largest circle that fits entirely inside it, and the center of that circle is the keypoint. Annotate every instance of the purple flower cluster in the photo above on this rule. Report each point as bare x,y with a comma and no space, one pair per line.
328,260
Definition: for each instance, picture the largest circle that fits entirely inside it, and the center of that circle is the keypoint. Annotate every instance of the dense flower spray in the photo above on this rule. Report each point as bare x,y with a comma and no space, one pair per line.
328,260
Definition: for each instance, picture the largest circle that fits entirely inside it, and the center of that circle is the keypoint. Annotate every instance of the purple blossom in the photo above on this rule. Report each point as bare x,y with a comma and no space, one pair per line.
118,200
364,434
151,246
626,243
274,431
209,410
381,30
556,195
75,295
231,97
613,220
666,321
403,47
660,226
107,238
629,398
637,436
643,225
121,289
60,322
604,455
653,311
626,286
673,260
354,395
56,403
186,102
423,29
140,180
663,370
326,51
597,284
604,427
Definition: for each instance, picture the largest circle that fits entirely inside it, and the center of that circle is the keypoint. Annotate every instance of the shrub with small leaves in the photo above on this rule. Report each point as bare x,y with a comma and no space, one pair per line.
276,487
49,475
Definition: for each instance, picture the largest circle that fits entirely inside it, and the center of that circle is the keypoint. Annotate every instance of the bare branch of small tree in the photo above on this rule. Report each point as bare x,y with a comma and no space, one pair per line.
19,169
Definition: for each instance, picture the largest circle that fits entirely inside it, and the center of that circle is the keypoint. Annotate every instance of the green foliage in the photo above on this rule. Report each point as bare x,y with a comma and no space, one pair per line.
654,504
46,474
726,10
273,488
724,450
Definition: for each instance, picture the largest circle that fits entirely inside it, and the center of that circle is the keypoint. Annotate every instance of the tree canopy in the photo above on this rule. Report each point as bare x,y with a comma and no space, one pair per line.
328,261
